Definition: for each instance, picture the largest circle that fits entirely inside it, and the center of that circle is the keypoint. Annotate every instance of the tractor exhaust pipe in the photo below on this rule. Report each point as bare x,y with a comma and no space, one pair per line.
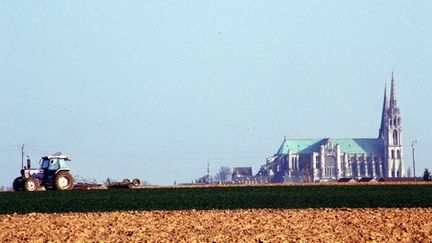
28,162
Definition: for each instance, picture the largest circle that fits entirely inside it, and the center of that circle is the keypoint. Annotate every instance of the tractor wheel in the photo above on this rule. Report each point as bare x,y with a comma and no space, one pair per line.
30,184
126,181
18,184
63,181
136,182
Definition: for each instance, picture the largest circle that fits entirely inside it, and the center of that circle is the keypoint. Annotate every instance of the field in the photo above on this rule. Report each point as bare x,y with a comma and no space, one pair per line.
275,225
203,198
379,212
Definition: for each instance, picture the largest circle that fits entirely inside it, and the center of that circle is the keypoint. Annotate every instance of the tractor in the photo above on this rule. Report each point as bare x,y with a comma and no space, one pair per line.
52,174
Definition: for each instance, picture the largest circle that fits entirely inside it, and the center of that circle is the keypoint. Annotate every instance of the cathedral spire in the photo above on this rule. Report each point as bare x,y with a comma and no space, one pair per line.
384,113
392,92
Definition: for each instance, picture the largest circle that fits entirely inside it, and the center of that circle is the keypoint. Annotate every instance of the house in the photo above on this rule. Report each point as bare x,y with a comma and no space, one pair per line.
368,180
243,175
347,180
203,180
400,179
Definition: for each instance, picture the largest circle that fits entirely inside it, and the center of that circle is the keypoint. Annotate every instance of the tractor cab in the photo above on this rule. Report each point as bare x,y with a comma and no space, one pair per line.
54,163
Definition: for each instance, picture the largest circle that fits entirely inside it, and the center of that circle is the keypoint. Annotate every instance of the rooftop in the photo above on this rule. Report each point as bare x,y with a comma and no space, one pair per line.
347,145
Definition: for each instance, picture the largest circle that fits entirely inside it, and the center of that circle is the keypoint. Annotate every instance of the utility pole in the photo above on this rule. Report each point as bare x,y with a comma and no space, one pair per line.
413,158
22,156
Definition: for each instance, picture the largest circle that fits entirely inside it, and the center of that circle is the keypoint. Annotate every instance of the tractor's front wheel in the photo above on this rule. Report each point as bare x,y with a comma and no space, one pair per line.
63,181
18,184
30,184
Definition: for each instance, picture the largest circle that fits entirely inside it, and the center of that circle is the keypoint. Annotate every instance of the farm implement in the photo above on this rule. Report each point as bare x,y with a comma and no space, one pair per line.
126,183
54,174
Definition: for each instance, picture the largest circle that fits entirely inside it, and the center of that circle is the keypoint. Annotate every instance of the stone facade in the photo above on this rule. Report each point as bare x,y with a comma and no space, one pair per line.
308,160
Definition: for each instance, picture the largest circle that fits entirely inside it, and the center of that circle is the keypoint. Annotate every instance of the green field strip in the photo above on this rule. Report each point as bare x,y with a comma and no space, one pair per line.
200,198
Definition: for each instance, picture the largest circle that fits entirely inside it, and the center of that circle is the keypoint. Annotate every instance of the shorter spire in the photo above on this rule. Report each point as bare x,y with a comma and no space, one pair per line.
384,113
385,96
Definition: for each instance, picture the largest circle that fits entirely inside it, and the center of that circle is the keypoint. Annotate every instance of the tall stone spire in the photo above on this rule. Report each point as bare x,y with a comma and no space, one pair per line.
393,92
384,114
393,148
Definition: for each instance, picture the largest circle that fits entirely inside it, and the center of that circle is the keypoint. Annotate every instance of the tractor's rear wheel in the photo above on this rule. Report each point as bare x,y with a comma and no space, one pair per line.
136,182
63,181
30,184
18,184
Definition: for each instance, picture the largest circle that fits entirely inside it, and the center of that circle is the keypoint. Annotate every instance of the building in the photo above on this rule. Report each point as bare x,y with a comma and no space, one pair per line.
203,180
399,179
243,175
346,180
368,180
329,159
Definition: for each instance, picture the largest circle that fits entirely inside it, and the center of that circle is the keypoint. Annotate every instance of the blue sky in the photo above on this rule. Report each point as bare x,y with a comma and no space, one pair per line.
157,89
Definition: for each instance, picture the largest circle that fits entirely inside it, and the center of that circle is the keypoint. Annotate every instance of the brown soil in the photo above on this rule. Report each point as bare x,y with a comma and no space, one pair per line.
345,224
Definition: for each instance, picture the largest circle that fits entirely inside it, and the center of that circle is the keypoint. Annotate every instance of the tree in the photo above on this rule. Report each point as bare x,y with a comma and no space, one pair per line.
426,175
224,174
146,183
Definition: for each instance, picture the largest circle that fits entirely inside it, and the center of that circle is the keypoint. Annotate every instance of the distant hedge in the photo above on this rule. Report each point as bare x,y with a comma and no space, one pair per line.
310,196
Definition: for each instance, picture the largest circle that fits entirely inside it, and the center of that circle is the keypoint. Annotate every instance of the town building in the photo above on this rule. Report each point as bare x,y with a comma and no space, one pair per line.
346,180
329,159
243,175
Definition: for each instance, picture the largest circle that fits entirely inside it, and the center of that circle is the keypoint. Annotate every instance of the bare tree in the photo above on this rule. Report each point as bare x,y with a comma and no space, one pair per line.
109,181
146,183
224,174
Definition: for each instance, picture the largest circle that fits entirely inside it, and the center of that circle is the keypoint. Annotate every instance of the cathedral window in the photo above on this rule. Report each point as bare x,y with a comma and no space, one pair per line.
398,154
392,154
330,166
395,138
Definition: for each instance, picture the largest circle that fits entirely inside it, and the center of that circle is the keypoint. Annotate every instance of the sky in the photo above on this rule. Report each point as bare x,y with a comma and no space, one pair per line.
157,90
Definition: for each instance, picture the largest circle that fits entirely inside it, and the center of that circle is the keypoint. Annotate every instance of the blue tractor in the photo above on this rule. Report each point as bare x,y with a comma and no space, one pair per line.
53,174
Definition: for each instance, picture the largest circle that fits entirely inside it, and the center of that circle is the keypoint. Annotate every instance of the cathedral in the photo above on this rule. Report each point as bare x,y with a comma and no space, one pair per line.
330,159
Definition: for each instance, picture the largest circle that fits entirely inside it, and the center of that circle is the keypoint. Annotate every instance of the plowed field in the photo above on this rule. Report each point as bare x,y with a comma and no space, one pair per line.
341,224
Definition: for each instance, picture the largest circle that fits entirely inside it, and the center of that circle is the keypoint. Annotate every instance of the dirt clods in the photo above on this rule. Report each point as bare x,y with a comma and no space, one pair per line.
260,225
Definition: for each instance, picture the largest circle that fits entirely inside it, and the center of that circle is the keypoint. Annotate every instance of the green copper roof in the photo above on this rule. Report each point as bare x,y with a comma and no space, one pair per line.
348,145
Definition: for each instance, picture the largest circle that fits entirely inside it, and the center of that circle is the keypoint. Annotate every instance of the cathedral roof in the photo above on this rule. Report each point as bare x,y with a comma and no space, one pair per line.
347,145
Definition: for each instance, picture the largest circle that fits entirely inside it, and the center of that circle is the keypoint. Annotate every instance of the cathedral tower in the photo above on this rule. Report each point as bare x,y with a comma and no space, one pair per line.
391,133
